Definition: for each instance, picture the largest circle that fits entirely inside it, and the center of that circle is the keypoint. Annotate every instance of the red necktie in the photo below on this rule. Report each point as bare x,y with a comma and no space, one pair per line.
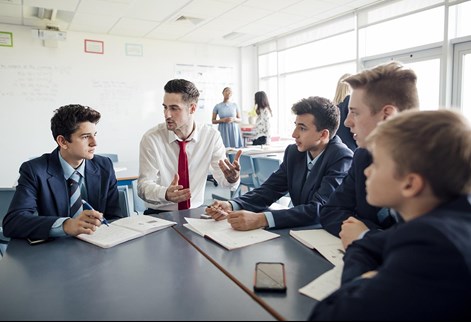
183,173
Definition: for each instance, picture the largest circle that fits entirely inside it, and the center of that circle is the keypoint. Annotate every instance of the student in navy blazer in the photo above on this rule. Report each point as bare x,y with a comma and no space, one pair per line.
40,207
309,187
419,269
377,94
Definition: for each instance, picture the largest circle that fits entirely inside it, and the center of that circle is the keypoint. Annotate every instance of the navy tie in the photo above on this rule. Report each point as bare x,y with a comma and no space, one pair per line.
76,206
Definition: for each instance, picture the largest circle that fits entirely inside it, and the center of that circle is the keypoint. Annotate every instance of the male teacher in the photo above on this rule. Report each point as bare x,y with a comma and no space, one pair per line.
176,156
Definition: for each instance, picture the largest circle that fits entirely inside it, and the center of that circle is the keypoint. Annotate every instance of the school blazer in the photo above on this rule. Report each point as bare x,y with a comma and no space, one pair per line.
349,199
41,196
307,195
424,271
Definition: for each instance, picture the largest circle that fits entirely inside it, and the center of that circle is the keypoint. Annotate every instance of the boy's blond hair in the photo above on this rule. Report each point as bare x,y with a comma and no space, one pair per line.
434,144
387,84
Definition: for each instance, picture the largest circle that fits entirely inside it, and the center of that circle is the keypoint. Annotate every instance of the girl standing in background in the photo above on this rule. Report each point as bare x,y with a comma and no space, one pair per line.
229,116
262,124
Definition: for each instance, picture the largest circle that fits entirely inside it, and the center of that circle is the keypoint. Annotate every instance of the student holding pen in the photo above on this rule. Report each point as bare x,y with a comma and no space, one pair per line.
45,204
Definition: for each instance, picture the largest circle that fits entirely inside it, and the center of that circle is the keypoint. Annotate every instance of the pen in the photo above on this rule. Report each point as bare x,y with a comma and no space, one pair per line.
87,205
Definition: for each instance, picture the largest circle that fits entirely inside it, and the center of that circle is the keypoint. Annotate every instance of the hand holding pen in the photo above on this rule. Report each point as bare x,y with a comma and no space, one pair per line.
87,206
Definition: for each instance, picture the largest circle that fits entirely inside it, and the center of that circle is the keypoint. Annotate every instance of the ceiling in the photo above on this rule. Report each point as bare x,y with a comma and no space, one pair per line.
236,23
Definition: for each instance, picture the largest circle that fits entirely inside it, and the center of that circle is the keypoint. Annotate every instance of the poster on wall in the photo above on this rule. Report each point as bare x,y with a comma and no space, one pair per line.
94,46
134,50
6,39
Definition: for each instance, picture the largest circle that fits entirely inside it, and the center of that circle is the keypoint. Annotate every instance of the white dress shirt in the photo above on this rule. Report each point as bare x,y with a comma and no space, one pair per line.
158,164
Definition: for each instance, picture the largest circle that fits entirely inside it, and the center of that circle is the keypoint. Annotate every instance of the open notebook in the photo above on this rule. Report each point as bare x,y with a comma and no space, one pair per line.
321,240
122,230
222,233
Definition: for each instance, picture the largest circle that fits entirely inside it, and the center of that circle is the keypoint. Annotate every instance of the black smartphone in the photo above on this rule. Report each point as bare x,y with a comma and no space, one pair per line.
36,241
270,277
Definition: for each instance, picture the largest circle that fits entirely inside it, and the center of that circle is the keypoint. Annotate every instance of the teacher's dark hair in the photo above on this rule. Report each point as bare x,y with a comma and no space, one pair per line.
67,119
188,90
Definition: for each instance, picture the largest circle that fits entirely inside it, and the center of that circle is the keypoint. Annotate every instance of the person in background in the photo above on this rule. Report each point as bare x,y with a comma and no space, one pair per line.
341,99
421,269
262,124
311,170
229,116
377,94
42,206
165,147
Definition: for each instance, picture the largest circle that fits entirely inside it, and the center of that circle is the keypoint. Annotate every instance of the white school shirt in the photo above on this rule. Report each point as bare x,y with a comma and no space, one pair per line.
158,164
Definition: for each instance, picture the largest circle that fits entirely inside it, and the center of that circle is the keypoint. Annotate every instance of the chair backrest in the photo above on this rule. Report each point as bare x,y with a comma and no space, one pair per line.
247,172
6,195
264,167
123,200
139,204
112,156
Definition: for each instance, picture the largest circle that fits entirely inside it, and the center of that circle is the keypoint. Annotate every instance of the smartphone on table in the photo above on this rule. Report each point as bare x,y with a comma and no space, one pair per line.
270,277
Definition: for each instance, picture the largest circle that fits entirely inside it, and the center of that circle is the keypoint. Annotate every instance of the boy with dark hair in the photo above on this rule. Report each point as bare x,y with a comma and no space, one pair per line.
311,170
47,203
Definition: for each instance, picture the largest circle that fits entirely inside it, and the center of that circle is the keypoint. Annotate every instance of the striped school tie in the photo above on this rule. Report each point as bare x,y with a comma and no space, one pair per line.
74,194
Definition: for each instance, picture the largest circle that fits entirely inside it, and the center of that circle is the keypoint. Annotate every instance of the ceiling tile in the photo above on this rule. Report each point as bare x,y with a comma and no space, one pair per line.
18,2
153,10
132,27
275,5
93,23
105,7
309,8
69,5
10,10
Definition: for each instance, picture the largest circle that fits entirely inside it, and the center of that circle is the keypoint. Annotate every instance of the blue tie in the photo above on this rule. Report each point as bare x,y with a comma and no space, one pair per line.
74,194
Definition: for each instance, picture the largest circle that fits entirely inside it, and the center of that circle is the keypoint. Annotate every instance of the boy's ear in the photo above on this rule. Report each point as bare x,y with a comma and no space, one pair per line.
388,111
61,141
413,185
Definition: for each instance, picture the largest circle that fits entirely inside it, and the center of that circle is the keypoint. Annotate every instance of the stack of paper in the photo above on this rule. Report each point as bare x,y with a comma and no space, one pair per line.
324,285
222,233
125,229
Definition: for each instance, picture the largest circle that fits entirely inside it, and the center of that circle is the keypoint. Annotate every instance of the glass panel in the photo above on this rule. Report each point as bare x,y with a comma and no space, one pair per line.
325,30
428,83
410,31
267,65
294,87
391,9
459,20
323,52
466,84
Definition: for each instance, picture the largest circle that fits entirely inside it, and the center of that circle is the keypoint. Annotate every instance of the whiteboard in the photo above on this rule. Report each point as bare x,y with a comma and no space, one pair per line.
126,89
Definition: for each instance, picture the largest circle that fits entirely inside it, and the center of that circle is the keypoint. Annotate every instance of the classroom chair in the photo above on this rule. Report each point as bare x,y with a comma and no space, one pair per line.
6,195
123,200
264,167
248,177
139,204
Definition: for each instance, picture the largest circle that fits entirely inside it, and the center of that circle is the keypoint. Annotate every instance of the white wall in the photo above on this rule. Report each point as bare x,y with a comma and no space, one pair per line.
36,80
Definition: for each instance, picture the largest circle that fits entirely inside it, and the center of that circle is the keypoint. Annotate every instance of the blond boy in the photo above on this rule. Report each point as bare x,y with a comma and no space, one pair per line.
420,269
